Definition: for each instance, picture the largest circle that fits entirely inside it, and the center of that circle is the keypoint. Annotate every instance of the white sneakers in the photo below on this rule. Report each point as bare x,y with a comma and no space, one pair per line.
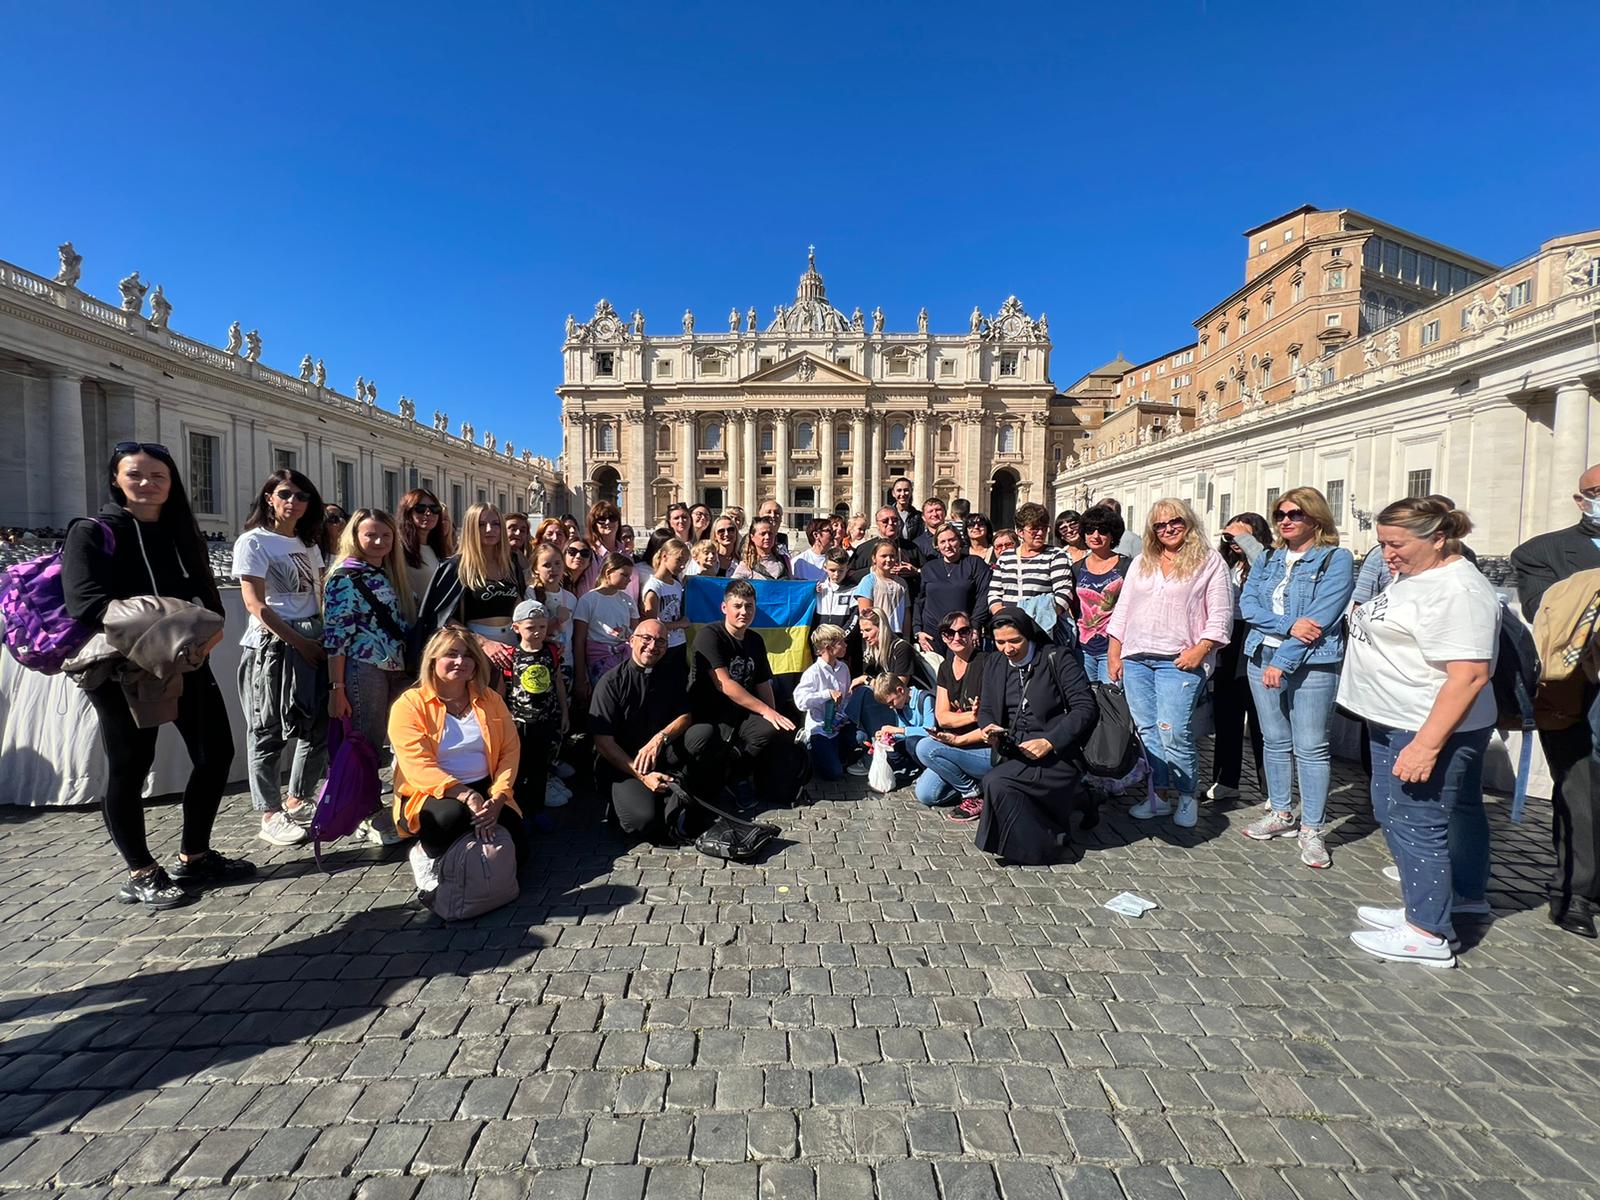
278,829
1405,944
1393,919
1184,814
1154,807
1188,812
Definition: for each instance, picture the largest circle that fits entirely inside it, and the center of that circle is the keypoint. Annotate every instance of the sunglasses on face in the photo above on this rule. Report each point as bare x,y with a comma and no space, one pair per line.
605,520
140,448
336,518
1228,540
427,510
963,631
577,554
1290,514
286,495
1168,526
722,533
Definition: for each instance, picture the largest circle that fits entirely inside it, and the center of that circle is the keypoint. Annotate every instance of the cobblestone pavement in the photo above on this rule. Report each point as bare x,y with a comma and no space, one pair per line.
877,1012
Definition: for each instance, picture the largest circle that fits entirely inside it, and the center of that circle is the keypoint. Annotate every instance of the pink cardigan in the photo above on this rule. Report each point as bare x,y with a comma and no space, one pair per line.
1162,616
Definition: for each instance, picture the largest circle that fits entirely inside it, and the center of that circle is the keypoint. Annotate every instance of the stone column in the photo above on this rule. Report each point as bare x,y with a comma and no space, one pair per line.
638,469
976,487
921,459
826,469
1569,447
780,454
687,448
875,489
69,496
752,468
859,467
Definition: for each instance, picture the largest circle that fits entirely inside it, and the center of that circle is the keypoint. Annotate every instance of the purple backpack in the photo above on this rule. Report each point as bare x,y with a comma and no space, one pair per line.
39,633
350,794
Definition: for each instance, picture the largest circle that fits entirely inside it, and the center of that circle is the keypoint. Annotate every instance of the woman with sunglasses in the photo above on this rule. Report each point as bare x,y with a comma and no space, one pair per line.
956,755
1069,534
425,536
575,560
605,538
725,546
334,519
155,543
1293,604
1097,582
1245,539
280,566
1174,612
980,538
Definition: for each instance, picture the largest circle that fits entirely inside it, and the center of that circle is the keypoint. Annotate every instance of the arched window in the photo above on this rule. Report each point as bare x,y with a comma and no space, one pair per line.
711,436
805,436
947,438
1007,440
608,438
897,437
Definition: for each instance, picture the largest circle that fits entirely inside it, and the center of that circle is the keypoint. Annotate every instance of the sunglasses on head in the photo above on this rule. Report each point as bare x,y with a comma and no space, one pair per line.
140,448
287,494
424,510
1291,514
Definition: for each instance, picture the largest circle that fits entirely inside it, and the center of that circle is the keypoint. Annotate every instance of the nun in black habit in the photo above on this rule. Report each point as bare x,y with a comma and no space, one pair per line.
1036,709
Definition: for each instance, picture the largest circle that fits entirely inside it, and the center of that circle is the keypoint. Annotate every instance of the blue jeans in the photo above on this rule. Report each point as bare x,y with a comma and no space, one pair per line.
827,752
952,771
1162,699
1437,829
1295,717
1094,666
863,710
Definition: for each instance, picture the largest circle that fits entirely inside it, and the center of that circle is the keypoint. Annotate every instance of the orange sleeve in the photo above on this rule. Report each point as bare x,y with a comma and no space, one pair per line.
506,746
416,762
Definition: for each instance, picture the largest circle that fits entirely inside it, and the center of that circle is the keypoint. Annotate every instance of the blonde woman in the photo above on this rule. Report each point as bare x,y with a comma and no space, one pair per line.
455,749
1293,606
366,611
480,586
1174,611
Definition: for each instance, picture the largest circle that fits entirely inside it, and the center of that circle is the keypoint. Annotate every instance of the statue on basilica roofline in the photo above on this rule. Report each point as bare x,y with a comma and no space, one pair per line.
305,368
408,408
638,323
572,327
320,375
733,320
857,321
511,451
877,320
688,320
372,394
976,323
750,319
132,293
922,321
71,265
160,309
235,338
468,433
361,388
252,345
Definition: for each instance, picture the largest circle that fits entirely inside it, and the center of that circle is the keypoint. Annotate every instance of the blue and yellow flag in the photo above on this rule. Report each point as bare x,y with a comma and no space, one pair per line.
784,609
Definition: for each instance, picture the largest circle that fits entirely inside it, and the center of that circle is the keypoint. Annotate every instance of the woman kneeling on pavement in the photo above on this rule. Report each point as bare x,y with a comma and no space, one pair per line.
456,750
153,544
1035,711
956,754
1417,669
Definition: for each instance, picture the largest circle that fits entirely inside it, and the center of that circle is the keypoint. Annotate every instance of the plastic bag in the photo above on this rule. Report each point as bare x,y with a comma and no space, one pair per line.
880,775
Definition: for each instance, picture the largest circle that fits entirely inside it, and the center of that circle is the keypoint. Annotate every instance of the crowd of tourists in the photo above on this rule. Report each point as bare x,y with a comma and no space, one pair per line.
505,662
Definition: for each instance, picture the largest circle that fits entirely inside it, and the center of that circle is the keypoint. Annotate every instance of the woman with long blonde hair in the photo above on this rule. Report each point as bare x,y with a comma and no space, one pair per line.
1174,611
480,586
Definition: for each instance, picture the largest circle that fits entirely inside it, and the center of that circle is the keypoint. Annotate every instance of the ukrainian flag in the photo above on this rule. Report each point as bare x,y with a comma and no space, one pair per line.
784,609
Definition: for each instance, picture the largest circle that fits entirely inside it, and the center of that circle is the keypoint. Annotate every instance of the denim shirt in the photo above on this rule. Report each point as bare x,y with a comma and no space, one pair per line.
1324,600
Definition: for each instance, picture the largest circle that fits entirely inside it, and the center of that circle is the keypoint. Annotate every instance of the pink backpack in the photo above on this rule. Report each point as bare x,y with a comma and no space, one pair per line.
39,632
350,793
478,874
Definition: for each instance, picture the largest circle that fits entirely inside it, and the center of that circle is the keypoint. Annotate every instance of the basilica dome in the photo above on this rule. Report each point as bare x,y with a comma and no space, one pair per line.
810,312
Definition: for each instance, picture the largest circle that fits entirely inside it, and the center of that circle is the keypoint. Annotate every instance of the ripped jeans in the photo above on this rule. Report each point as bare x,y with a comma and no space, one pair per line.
1162,699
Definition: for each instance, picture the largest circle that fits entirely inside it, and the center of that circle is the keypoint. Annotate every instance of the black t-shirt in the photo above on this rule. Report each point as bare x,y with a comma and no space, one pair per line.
963,692
745,661
531,693
631,705
496,598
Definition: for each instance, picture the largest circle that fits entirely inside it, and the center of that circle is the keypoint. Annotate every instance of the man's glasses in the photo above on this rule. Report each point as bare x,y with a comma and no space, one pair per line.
428,510
140,448
286,495
649,639
1290,514
1168,526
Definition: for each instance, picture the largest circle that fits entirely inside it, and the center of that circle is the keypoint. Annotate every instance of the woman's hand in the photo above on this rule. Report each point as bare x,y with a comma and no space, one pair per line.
1114,667
1191,658
1272,677
925,640
1305,630
338,704
1035,748
1415,763
498,653
309,650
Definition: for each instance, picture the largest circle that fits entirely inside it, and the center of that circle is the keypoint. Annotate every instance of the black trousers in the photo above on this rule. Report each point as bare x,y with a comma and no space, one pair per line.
1575,829
130,751
539,740
442,822
776,763
697,759
1232,703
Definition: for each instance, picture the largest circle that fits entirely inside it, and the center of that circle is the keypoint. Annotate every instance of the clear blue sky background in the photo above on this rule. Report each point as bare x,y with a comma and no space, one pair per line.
421,193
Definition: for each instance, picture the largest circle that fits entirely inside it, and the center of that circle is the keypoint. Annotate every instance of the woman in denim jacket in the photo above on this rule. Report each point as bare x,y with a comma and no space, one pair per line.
1294,604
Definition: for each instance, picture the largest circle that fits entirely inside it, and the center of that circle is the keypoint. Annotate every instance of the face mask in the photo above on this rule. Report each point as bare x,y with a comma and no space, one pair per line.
1590,506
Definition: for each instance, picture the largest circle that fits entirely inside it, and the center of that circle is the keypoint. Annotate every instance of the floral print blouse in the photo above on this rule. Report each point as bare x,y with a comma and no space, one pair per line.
348,624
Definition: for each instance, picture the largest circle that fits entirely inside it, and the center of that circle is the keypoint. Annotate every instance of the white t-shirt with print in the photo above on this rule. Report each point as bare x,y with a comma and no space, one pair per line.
290,570
610,618
1401,639
670,604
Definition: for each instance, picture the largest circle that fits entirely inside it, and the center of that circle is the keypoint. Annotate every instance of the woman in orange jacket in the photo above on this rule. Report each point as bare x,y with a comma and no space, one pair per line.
455,749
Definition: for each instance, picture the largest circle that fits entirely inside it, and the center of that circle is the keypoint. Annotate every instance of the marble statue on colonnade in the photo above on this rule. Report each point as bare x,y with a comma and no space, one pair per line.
252,346
235,338
320,375
305,368
160,309
132,293
71,265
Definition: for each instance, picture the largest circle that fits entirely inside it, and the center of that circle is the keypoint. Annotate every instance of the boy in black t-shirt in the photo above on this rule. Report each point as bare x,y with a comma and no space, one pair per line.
537,697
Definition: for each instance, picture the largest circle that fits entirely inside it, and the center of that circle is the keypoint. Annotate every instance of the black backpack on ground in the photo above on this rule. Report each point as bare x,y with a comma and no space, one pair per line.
1113,748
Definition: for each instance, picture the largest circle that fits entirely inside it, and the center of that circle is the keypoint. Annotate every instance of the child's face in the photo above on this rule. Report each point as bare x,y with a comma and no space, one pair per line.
833,651
706,557
619,577
673,561
533,631
885,557
836,571
900,699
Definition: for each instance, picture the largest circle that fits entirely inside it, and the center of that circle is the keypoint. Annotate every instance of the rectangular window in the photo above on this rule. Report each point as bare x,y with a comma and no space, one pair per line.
711,365
1261,246
1299,290
605,363
1333,319
1335,494
1272,497
1430,333
344,484
1419,483
712,498
663,368
391,491
842,360
765,361
1408,264
841,441
285,460
1520,294
1227,507
1327,375
1372,253
947,368
1465,317
1266,310
1288,235
1458,278
1244,323
901,365
205,456
457,503
427,486
1425,271
766,439
1266,375
1391,258
804,500
1008,362
483,496
500,503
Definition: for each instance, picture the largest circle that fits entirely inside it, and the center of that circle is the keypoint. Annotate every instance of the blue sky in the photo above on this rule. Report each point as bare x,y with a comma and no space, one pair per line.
420,194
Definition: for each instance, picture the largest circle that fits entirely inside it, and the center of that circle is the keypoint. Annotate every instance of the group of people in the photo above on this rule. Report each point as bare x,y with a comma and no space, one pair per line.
968,657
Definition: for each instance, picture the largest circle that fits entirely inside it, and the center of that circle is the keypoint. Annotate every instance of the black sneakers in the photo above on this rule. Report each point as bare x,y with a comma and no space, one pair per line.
210,867
153,888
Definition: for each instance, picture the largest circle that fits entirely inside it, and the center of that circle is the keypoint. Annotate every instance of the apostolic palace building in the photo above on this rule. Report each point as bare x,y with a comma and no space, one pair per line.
820,409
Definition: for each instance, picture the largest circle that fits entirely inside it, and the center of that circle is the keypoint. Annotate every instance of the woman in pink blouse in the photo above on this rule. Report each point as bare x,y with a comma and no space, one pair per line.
1174,612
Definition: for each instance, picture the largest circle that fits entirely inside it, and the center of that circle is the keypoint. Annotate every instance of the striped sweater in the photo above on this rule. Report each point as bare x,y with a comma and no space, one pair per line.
1013,580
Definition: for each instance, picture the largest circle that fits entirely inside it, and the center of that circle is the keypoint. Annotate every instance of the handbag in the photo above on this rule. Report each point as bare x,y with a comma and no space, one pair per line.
477,875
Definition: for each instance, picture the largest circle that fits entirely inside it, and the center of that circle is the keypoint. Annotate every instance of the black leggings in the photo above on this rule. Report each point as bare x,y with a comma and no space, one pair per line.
130,752
444,820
